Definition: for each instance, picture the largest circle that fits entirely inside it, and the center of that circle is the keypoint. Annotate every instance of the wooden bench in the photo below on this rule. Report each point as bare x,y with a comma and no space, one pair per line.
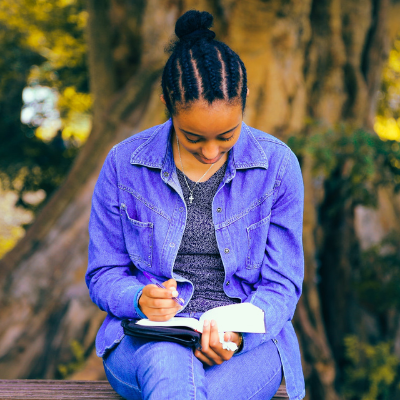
24,389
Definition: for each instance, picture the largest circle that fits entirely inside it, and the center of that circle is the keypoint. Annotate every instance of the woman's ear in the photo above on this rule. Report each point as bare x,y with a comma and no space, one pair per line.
163,99
248,92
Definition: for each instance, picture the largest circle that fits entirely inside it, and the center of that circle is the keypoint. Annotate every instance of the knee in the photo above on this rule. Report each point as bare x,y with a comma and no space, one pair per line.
165,358
164,363
167,361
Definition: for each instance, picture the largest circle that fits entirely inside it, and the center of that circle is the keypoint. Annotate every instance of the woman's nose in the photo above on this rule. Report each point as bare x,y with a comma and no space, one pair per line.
210,151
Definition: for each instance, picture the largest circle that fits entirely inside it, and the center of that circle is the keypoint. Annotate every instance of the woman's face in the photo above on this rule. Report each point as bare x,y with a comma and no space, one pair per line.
208,131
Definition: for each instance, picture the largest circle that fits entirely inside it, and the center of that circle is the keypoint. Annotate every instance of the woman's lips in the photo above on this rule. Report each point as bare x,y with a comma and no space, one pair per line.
207,161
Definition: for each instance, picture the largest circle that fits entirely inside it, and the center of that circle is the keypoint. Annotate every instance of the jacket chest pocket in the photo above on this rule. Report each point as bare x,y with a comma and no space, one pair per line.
257,239
138,238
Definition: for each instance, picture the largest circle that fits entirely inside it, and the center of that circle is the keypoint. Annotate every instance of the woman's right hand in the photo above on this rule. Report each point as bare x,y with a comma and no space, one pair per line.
157,303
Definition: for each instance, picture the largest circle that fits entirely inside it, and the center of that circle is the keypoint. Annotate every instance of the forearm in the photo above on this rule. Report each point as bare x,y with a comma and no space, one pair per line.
115,292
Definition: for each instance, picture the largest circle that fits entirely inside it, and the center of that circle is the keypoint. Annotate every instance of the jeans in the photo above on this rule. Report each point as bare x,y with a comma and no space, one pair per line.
141,369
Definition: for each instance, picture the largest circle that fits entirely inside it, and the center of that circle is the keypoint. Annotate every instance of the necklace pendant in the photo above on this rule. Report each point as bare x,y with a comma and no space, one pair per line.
191,198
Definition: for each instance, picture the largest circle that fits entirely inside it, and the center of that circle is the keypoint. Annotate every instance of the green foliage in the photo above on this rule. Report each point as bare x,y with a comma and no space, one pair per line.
377,282
353,164
42,43
360,160
387,122
373,370
79,360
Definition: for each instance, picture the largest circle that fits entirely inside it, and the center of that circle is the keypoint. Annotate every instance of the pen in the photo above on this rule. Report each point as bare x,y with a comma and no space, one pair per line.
154,282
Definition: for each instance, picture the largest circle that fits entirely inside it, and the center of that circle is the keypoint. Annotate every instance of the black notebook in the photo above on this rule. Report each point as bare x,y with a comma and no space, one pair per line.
241,317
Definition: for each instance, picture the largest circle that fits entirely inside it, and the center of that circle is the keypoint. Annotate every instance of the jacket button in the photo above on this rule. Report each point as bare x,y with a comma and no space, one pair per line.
166,174
227,282
219,209
275,340
226,250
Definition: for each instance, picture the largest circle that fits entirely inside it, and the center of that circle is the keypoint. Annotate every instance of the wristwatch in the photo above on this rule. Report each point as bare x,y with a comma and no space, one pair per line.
241,343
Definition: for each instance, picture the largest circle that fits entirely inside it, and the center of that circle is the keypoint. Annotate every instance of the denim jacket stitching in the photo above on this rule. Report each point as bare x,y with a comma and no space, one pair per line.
279,175
284,165
135,257
265,139
145,202
260,149
238,216
139,149
250,228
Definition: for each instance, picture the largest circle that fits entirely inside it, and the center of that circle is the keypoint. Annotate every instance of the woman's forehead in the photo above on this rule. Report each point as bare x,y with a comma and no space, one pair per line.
209,119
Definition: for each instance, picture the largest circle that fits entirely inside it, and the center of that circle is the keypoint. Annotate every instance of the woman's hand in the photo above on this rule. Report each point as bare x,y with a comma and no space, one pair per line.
211,351
157,304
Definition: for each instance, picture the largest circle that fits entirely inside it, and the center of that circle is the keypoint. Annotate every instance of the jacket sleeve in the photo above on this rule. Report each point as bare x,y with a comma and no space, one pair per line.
112,286
283,265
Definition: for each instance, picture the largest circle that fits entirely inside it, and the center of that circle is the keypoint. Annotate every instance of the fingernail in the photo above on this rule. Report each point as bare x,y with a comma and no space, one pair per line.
206,323
174,293
229,338
212,323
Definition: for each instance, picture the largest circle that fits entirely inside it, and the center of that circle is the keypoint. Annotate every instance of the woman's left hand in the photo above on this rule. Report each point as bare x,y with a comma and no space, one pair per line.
211,351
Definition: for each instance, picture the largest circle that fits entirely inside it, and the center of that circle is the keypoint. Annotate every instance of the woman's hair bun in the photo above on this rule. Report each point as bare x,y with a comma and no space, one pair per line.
193,25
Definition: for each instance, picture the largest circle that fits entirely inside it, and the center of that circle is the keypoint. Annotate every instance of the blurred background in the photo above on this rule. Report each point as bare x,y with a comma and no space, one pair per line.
77,76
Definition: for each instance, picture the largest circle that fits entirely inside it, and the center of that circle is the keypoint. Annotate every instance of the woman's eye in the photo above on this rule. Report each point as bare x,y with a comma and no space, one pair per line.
229,138
223,139
193,141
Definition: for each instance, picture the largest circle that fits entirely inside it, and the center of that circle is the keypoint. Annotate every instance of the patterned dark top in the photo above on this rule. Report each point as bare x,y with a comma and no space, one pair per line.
198,257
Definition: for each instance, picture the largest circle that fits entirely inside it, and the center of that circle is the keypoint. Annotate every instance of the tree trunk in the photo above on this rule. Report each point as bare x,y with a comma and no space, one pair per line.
317,59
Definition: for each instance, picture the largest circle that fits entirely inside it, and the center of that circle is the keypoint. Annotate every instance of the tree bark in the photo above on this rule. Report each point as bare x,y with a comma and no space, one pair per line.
313,59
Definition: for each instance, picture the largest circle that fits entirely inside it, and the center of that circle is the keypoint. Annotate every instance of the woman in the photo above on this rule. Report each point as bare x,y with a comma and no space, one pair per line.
212,209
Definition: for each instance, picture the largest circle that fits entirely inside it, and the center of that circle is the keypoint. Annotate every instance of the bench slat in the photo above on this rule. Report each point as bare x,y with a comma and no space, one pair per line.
21,389
281,393
31,389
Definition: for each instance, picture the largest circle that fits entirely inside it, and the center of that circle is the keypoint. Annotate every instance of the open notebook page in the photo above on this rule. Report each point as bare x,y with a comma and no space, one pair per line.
241,317
175,321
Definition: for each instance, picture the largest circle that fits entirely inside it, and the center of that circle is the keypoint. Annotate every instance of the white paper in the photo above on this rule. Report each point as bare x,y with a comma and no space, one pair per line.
240,317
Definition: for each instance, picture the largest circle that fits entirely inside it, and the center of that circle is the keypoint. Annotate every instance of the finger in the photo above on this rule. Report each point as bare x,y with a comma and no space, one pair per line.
163,303
170,283
162,311
205,344
214,343
203,358
159,293
205,336
231,337
160,318
214,337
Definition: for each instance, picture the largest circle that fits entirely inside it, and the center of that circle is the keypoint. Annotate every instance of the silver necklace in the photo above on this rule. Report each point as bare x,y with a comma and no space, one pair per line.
191,198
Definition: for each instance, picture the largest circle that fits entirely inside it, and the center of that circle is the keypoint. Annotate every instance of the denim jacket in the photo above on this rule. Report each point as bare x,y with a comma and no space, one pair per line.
138,218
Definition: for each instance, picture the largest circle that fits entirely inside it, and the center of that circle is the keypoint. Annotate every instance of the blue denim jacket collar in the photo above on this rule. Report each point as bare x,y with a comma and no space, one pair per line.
156,152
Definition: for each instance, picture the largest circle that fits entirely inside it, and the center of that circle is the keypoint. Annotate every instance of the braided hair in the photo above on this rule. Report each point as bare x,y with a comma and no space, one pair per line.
201,68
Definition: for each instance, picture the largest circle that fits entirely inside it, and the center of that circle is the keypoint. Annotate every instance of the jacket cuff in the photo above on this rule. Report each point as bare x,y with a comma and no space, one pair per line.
136,304
126,303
